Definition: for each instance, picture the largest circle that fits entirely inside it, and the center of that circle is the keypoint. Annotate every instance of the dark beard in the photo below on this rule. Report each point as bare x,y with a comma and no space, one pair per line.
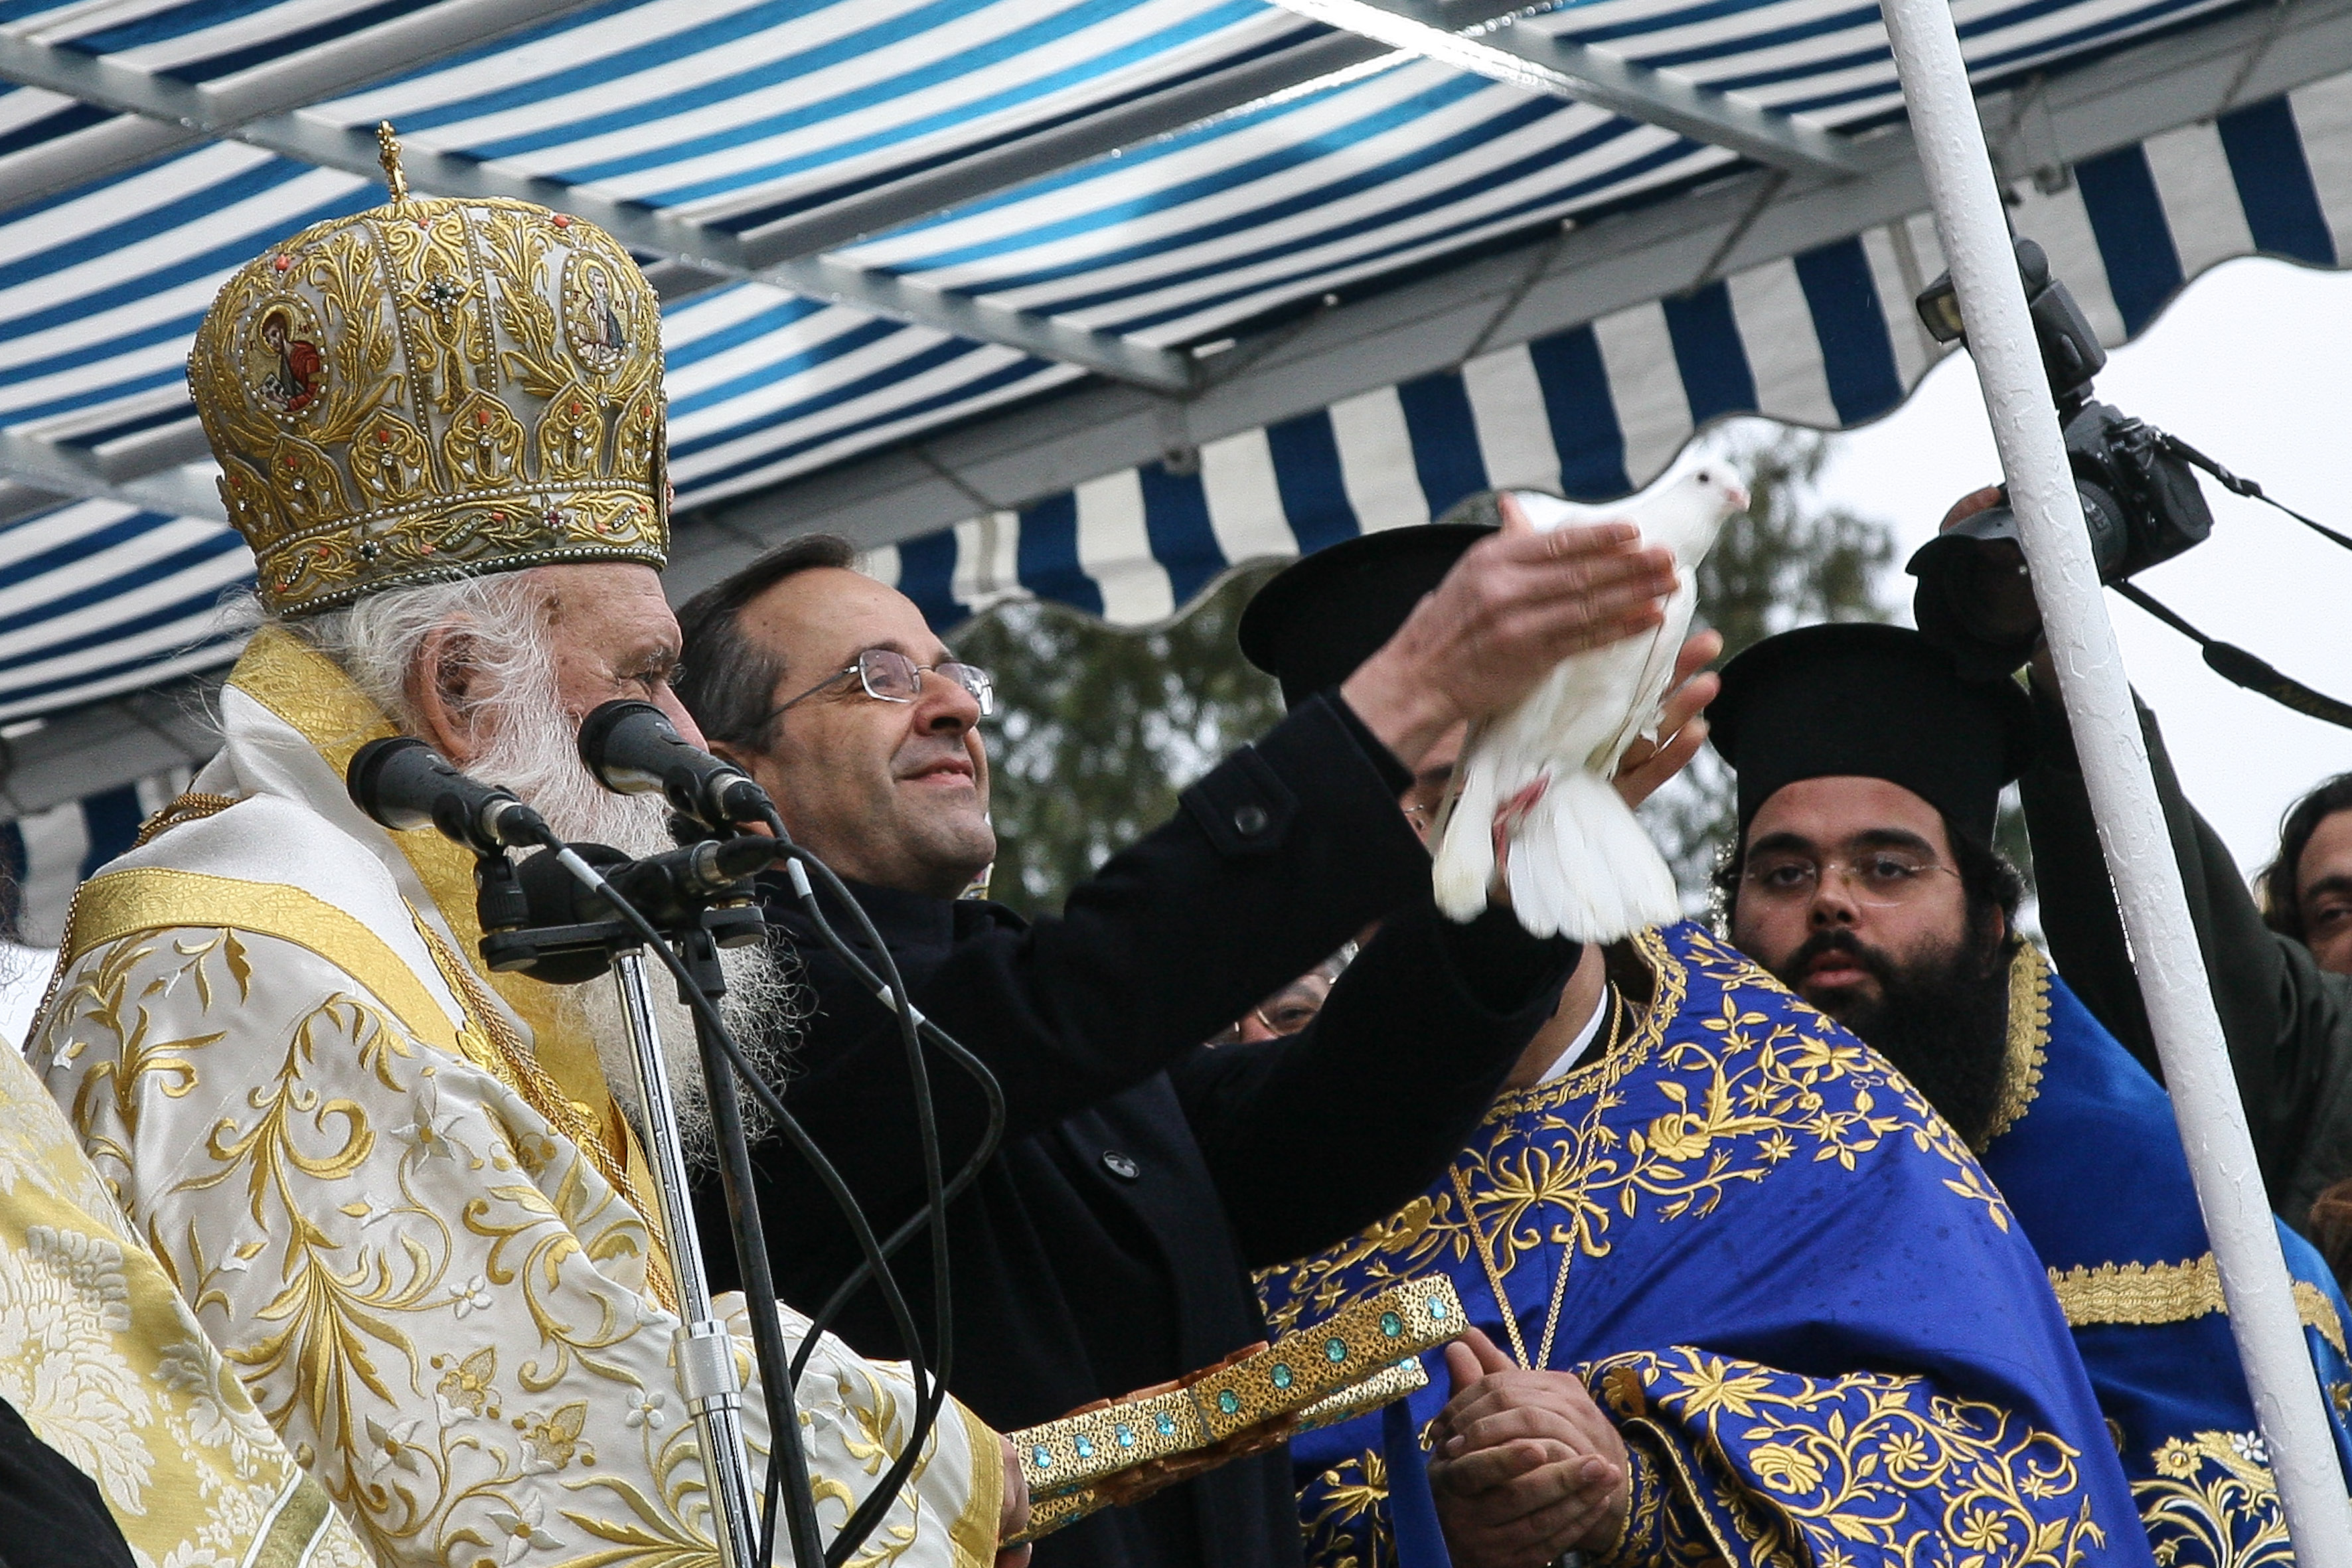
1942,1021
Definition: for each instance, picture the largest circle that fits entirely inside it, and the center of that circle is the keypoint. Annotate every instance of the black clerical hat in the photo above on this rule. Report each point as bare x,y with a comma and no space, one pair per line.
1873,702
1329,612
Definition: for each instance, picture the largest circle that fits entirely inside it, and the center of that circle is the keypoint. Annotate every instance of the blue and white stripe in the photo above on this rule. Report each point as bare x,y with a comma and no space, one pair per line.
748,114
1826,338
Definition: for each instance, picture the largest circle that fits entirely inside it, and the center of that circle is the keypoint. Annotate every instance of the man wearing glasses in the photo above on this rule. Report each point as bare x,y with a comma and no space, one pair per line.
1108,1246
1864,879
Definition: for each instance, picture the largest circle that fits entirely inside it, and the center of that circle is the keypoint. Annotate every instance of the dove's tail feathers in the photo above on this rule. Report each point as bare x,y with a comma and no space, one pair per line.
1466,842
1582,866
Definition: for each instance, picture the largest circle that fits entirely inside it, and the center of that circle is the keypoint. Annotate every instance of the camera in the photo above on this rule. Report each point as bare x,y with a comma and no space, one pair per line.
2140,499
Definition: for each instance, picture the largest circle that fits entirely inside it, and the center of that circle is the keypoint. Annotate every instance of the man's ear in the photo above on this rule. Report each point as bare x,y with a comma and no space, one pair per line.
439,685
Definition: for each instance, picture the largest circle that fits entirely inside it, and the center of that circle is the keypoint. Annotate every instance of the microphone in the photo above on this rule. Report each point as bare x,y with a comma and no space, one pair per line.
632,748
404,783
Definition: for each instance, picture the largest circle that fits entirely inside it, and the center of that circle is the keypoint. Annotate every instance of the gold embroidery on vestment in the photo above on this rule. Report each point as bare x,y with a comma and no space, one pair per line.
189,808
313,694
115,904
2144,1294
2028,1040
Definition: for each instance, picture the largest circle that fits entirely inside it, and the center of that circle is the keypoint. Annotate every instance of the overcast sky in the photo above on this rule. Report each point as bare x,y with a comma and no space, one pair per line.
2252,364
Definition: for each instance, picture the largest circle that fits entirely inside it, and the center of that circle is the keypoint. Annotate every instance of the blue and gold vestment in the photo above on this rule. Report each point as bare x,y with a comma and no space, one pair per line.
1822,1335
2086,1149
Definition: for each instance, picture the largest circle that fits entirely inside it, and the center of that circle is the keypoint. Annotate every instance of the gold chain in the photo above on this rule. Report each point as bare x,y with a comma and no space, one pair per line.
1560,1269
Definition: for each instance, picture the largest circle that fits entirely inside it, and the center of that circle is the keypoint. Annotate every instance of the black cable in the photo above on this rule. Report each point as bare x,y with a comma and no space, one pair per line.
2248,488
991,1135
930,1401
2235,665
788,1472
827,1177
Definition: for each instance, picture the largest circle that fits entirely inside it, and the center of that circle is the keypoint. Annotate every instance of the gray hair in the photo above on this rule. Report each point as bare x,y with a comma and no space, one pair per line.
502,617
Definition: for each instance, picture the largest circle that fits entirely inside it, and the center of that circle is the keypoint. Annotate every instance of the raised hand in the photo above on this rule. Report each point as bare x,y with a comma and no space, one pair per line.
1512,607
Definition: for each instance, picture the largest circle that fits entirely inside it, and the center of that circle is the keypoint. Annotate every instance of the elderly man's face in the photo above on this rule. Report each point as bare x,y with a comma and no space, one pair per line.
612,635
891,793
2323,892
1846,878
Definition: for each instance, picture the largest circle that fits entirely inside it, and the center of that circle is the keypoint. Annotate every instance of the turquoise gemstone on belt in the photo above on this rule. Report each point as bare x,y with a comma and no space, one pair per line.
1437,1306
1391,1325
1125,1434
1165,1424
1335,1349
1229,1402
1282,1374
1085,1446
1041,1456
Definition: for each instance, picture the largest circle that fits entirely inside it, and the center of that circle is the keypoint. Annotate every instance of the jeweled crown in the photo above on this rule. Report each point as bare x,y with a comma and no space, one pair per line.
435,389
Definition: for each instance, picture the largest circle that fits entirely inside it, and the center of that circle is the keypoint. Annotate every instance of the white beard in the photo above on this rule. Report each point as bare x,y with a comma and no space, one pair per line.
535,755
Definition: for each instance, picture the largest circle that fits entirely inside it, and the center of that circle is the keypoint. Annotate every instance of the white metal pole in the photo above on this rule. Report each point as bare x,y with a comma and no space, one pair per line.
2187,1030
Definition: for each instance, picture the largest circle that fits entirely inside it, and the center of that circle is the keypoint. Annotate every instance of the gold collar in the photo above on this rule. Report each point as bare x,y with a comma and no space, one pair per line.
2029,1041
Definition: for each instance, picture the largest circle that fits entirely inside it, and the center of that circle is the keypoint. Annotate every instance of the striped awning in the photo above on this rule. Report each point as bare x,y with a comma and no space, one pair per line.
1825,339
877,220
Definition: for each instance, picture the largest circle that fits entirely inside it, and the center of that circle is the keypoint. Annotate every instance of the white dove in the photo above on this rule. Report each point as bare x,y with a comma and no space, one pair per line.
1533,784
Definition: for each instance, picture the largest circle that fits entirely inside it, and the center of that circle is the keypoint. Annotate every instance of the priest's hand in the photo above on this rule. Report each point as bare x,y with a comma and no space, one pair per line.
1512,607
1012,1514
1526,1467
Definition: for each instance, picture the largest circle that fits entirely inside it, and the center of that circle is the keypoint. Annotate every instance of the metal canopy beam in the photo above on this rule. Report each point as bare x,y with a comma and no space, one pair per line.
170,113
1124,125
68,472
717,252
1009,460
1529,58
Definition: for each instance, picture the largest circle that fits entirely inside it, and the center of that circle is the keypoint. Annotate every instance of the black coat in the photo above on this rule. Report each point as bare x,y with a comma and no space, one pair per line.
1109,1244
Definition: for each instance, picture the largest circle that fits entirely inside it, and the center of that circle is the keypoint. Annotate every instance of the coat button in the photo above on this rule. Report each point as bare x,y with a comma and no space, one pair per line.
1120,1166
1249,821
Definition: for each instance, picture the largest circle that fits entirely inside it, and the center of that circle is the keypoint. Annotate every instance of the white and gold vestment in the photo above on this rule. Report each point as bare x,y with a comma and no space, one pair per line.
400,1200
107,1365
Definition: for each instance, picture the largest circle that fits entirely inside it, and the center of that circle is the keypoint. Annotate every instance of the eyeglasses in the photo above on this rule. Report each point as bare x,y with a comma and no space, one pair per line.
1277,1019
1874,876
889,676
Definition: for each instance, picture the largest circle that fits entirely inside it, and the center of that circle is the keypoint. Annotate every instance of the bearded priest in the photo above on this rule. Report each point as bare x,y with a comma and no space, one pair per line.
396,1189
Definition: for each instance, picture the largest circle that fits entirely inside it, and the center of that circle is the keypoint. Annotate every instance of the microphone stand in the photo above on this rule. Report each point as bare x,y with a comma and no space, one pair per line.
705,1353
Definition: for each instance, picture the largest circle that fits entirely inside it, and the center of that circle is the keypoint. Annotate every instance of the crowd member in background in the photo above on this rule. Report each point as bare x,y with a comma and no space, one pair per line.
2284,1004
1288,1010
2307,889
1870,774
1107,1247
1697,1232
394,1187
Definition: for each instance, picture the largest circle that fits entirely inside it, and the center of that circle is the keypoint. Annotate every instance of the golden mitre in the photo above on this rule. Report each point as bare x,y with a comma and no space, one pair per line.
431,389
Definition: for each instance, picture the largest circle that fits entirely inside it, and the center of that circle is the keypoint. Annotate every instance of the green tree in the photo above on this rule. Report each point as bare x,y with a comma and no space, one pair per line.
1098,729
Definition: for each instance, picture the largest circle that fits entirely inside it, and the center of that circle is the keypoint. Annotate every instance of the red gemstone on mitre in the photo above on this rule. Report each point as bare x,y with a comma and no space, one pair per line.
284,262
562,221
383,438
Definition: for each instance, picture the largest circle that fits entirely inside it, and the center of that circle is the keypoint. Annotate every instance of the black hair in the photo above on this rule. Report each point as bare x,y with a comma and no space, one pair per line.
2275,882
728,681
1991,885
